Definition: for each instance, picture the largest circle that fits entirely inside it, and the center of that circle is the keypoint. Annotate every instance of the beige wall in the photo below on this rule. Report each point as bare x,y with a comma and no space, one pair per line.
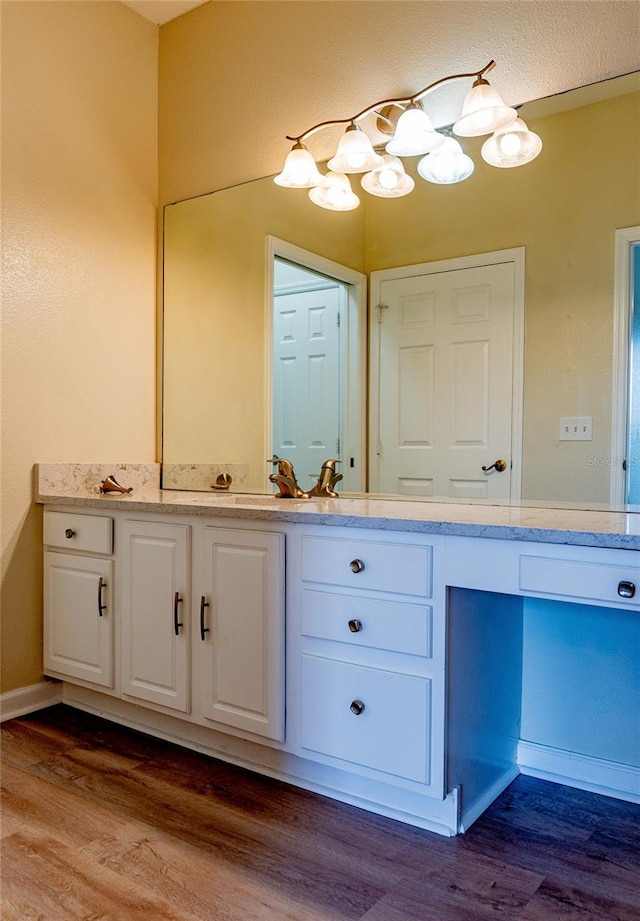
79,175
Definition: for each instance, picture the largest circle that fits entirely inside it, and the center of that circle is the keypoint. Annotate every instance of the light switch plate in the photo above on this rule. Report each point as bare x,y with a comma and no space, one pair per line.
576,428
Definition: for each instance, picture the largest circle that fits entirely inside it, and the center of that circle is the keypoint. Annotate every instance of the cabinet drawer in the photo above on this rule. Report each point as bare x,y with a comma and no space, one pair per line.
392,732
92,533
577,580
387,567
392,625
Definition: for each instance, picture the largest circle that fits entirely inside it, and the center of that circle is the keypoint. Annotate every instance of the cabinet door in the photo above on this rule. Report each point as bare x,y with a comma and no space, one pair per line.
240,634
155,606
78,617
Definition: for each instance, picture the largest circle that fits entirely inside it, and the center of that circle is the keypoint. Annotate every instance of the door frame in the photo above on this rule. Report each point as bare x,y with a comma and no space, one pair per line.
353,353
622,307
516,256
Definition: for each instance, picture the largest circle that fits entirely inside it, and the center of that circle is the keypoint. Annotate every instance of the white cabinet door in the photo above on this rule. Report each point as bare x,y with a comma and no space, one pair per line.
78,618
239,641
153,560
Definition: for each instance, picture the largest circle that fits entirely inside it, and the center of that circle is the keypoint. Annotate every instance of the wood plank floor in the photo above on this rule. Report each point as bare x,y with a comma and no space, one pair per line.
105,824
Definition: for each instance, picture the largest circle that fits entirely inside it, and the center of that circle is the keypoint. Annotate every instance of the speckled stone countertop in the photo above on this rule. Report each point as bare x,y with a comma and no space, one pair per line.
77,485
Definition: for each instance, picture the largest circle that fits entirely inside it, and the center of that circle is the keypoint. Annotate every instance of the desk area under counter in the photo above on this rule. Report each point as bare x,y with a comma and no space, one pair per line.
417,655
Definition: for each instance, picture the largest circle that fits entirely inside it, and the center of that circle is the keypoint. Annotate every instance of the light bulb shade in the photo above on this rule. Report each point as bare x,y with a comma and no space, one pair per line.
483,111
355,153
299,171
511,145
388,180
334,193
414,135
447,164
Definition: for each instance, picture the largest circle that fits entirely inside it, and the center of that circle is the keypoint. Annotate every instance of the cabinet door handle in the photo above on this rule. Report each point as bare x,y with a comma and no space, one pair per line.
176,623
203,604
69,533
356,707
355,625
101,607
356,565
626,589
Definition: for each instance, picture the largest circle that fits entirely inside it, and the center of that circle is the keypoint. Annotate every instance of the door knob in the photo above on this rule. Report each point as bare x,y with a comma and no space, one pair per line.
356,707
355,625
356,565
500,466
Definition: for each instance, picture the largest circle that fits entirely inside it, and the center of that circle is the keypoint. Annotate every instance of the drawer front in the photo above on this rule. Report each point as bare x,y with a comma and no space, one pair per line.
387,567
576,580
392,732
391,625
92,533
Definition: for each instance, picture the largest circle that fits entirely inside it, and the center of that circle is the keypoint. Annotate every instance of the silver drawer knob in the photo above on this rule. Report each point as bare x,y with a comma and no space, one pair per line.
356,565
355,625
356,707
626,589
69,533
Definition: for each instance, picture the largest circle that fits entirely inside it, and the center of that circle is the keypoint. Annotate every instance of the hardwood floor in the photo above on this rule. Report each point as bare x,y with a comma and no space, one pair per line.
105,824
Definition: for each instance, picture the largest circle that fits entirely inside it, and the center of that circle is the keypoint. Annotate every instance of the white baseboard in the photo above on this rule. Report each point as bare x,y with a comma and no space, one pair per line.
476,809
585,772
27,700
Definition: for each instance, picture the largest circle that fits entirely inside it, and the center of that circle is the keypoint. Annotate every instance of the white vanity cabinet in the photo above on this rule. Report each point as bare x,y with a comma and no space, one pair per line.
370,656
238,642
154,591
78,593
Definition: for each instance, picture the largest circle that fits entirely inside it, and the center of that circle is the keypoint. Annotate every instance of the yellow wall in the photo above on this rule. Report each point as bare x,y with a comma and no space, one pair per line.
79,174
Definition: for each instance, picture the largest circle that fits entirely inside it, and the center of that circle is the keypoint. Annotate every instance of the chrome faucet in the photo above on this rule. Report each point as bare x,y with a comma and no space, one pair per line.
285,480
327,480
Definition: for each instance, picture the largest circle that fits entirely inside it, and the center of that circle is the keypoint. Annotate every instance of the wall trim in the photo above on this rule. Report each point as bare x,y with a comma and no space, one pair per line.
27,700
608,778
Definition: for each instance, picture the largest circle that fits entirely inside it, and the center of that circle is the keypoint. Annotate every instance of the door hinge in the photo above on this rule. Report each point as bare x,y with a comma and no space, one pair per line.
337,447
379,309
378,446
338,319
624,464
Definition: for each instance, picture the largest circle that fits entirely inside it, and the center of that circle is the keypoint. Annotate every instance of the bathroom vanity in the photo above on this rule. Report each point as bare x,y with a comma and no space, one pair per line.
407,657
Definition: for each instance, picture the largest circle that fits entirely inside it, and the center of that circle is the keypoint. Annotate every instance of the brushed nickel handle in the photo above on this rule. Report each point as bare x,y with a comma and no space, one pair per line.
176,623
356,565
355,625
203,604
626,589
356,707
69,533
500,466
101,607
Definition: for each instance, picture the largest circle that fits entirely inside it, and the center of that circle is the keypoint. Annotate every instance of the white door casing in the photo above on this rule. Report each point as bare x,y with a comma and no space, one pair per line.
446,377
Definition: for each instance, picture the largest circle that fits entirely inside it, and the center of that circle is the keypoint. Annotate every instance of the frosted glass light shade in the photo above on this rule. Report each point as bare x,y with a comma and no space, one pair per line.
511,145
355,153
299,171
446,165
335,193
414,135
388,180
483,111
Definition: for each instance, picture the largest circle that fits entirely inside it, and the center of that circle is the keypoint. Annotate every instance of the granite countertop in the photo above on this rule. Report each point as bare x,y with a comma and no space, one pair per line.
77,485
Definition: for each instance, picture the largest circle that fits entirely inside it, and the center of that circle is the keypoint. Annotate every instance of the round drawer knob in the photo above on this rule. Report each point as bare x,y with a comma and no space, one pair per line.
356,565
626,589
355,625
69,533
356,707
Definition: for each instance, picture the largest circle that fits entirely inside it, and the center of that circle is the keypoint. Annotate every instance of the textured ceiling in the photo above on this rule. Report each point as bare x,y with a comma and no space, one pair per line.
161,11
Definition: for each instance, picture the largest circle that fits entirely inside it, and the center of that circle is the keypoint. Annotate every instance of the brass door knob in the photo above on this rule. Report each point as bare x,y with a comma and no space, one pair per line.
500,466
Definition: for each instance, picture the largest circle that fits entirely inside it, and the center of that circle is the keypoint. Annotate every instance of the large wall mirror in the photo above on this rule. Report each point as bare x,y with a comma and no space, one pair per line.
230,255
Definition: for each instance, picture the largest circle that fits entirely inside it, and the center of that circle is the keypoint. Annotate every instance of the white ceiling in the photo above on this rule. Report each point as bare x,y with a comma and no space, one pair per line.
161,11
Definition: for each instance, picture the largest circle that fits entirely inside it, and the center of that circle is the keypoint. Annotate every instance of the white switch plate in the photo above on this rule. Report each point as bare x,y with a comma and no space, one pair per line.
576,428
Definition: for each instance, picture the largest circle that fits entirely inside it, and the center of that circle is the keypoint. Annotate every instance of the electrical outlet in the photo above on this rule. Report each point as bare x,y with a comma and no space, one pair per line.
576,428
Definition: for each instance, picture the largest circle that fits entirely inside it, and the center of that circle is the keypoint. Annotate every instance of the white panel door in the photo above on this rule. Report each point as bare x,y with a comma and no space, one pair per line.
445,371
239,645
154,561
307,410
78,617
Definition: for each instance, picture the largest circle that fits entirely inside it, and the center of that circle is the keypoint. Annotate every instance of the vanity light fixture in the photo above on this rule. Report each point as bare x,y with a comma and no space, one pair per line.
483,112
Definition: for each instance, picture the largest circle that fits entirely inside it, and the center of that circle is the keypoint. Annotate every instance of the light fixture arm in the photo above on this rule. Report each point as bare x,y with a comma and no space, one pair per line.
390,102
